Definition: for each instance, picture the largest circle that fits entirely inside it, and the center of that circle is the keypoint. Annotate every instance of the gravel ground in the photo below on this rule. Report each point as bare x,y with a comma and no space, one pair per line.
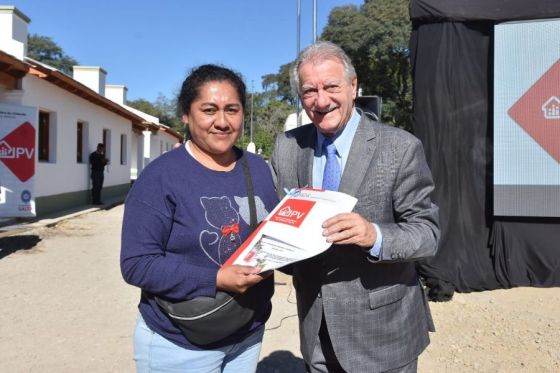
65,308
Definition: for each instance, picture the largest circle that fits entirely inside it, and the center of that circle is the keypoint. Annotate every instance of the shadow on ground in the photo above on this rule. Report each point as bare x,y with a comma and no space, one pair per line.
281,362
9,245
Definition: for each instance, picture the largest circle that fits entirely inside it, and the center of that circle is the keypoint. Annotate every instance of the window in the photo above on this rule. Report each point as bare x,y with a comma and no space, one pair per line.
107,143
123,149
80,142
44,136
46,151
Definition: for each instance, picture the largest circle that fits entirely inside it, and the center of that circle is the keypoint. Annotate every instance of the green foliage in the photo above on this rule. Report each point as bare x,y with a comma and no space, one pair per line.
271,108
145,106
45,50
163,108
269,115
279,84
168,108
376,37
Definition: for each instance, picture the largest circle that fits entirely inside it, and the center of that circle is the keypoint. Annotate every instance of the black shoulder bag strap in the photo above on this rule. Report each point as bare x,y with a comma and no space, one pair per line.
250,191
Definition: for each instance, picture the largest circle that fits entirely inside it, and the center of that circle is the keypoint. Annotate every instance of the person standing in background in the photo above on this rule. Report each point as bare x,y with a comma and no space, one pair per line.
98,162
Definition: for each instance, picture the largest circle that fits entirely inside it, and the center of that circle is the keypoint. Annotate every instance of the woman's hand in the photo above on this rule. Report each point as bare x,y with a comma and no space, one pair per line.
237,279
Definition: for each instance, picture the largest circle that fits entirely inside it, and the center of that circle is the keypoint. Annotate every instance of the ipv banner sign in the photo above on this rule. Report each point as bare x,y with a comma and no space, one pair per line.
17,160
527,118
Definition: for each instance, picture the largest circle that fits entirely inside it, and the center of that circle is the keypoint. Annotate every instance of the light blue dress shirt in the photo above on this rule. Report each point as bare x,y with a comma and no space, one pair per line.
343,142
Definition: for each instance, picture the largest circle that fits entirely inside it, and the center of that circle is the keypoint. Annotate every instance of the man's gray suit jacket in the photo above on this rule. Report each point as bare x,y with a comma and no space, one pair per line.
376,312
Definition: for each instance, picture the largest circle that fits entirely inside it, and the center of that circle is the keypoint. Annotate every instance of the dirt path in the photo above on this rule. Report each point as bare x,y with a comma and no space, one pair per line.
65,308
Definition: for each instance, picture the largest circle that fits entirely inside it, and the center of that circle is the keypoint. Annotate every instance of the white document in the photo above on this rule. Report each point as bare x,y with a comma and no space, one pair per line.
292,231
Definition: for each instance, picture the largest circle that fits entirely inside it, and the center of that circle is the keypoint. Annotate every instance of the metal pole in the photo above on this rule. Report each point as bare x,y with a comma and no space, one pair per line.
298,25
314,21
252,94
297,54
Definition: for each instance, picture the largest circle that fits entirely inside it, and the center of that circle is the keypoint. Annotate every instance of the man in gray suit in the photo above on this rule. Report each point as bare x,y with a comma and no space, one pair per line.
361,306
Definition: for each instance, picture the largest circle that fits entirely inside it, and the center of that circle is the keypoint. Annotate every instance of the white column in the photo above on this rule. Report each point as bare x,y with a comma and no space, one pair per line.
147,150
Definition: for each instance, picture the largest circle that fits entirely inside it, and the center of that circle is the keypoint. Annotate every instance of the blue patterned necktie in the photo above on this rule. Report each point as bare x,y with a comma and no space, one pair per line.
331,173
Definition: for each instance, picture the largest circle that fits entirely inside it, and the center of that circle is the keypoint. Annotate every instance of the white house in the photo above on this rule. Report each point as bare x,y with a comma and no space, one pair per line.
74,115
292,120
149,144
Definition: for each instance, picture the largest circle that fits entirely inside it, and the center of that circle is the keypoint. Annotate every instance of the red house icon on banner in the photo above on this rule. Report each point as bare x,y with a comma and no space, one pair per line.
6,150
538,111
17,151
551,108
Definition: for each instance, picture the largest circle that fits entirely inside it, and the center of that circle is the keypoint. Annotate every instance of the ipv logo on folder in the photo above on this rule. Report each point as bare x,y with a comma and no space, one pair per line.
293,212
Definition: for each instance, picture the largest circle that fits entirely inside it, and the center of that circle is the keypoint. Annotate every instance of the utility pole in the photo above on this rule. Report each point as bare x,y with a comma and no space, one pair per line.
314,21
252,104
298,22
251,146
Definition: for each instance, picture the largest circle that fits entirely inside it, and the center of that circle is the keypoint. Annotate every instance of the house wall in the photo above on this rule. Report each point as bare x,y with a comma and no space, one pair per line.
161,142
153,144
63,182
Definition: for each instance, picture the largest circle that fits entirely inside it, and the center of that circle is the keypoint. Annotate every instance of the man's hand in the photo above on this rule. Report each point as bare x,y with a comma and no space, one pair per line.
237,279
349,229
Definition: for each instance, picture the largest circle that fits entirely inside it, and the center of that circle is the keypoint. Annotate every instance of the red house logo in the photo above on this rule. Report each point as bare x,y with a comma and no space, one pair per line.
17,151
6,151
551,108
538,111
293,212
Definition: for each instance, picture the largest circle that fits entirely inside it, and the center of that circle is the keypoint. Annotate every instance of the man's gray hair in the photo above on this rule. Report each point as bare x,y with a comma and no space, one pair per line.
321,51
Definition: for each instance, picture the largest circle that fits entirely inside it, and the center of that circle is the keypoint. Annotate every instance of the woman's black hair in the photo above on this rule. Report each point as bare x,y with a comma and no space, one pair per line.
203,74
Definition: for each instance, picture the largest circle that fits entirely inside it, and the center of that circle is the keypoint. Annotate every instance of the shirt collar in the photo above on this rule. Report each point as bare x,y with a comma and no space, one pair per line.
342,140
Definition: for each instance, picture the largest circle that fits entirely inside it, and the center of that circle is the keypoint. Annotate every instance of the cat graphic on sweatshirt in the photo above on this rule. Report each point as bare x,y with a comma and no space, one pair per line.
224,239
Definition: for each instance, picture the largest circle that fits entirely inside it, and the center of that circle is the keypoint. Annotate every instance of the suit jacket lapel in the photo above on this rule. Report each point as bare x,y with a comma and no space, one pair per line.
305,158
359,158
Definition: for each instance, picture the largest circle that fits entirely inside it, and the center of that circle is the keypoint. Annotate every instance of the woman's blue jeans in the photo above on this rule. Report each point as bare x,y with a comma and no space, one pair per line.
153,353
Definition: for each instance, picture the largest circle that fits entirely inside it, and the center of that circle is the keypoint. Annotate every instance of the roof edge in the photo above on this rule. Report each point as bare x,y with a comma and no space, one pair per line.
16,11
73,86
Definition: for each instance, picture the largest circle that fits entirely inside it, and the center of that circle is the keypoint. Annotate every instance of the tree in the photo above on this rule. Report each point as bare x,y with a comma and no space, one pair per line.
145,106
279,84
45,50
376,37
269,115
169,115
163,108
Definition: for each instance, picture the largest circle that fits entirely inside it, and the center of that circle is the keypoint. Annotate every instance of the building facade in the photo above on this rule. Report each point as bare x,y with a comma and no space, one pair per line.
74,114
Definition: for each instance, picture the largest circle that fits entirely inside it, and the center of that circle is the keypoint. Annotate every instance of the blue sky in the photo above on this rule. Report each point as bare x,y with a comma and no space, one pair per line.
150,46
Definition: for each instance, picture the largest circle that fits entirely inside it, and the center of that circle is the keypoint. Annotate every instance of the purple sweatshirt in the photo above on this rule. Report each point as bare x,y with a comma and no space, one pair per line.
182,221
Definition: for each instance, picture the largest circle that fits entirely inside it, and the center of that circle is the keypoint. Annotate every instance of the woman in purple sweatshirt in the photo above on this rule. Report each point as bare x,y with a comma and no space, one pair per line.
185,215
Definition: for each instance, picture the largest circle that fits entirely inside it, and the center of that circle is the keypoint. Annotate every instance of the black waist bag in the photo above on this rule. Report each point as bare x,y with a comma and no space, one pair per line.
206,320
